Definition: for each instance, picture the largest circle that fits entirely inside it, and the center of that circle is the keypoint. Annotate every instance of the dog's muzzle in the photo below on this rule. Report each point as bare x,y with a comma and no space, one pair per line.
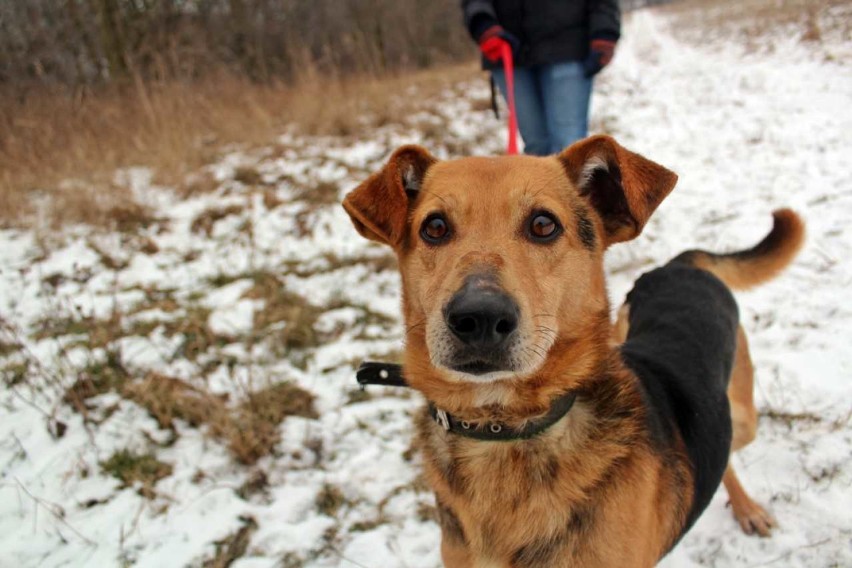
484,320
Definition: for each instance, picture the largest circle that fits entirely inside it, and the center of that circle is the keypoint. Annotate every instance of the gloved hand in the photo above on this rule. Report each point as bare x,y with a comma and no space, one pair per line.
493,39
600,54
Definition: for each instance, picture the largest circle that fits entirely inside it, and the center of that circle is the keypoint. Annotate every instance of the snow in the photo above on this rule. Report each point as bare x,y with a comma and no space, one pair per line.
747,132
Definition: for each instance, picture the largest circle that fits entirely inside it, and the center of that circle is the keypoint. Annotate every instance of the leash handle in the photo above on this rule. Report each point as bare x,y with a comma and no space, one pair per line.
509,70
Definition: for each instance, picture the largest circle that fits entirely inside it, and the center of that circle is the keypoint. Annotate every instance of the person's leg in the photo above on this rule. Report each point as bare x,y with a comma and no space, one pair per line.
530,110
566,93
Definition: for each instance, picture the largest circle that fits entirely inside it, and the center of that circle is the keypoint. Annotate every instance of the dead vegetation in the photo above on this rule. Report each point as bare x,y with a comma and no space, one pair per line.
93,199
321,193
330,499
250,426
247,175
233,546
271,199
168,399
251,429
330,262
256,484
96,332
205,221
65,145
750,22
136,470
288,320
156,298
791,418
129,217
193,328
278,401
195,184
96,378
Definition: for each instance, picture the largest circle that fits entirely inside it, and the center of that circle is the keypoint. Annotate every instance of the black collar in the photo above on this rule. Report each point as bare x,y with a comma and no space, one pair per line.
388,374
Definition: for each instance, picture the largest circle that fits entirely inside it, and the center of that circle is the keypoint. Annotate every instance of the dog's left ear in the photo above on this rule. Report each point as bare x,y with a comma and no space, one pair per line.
379,206
622,186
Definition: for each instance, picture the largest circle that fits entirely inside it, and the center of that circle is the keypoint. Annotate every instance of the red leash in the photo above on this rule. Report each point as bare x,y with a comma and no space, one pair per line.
509,70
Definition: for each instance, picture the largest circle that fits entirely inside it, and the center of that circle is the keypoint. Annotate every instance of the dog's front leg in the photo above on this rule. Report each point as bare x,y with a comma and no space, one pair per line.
454,553
454,548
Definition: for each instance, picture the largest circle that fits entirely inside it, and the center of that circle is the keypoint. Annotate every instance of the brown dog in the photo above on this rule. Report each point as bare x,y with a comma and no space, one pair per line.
553,438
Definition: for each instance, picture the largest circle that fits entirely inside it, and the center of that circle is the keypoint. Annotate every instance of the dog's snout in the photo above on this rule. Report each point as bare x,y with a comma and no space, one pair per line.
482,317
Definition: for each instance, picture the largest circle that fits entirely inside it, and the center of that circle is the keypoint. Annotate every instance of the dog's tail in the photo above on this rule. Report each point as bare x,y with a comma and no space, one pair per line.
748,268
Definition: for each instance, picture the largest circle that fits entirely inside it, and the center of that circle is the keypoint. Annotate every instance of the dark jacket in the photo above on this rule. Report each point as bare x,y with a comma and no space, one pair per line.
549,31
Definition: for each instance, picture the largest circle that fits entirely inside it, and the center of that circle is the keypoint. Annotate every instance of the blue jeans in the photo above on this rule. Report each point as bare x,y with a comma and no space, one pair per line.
552,102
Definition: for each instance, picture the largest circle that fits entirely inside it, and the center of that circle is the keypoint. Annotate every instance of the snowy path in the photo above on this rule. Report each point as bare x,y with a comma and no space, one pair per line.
746,133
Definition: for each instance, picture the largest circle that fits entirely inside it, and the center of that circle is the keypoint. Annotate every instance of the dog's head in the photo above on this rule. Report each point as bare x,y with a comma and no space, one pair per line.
501,258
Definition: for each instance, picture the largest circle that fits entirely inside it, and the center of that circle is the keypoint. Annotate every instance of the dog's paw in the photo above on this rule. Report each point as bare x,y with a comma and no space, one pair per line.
753,518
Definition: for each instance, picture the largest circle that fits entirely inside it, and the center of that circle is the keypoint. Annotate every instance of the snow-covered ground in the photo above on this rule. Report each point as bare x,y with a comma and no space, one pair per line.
747,131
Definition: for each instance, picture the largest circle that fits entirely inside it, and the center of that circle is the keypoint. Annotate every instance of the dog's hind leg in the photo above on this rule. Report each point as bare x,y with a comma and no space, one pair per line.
751,516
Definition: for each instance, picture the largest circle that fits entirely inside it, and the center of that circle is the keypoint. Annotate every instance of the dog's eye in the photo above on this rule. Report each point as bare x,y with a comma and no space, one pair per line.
434,229
543,227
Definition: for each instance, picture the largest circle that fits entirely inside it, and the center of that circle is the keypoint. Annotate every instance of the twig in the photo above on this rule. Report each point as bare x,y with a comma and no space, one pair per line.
340,555
24,453
787,554
57,516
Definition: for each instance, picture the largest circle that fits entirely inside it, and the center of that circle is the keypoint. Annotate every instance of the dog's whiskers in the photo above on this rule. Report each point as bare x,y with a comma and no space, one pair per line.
537,350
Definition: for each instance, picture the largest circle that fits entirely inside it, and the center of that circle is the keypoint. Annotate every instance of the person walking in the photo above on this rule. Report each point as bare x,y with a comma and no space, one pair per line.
558,47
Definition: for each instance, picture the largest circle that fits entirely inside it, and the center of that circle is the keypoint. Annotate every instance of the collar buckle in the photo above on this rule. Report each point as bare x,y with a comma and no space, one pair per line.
442,419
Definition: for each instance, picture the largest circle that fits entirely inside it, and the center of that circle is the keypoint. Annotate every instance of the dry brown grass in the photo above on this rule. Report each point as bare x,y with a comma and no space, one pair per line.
167,399
96,378
233,546
205,221
329,500
251,429
287,318
194,330
66,145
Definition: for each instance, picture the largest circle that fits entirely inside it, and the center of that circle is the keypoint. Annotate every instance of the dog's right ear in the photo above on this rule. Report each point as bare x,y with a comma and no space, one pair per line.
379,206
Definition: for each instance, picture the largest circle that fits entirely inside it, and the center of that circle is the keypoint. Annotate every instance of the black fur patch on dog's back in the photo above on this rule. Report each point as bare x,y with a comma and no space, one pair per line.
681,344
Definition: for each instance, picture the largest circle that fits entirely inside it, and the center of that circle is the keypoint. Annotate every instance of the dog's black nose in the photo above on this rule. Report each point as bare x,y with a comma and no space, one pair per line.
482,317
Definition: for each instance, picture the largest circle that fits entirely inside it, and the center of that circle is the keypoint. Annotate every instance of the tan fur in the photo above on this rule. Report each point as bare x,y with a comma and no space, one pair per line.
591,490
762,263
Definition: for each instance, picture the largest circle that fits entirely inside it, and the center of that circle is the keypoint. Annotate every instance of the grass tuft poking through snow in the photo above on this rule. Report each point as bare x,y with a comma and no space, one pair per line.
141,471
